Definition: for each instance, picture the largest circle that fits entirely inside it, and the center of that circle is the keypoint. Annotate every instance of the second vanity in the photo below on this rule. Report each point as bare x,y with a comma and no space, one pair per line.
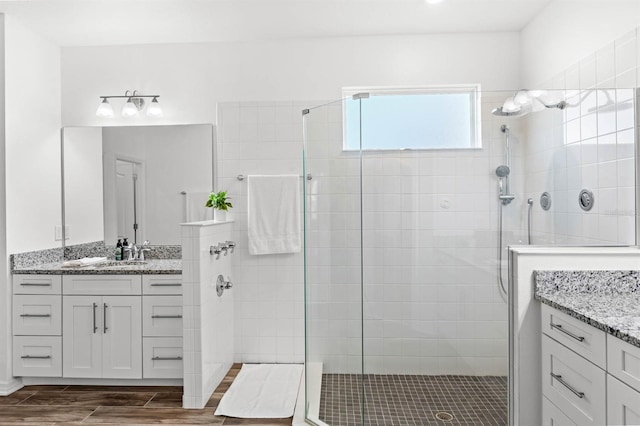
111,321
590,347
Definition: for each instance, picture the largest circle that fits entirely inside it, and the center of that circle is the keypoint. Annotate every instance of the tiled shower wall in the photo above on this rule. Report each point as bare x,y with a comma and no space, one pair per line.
590,145
262,138
429,220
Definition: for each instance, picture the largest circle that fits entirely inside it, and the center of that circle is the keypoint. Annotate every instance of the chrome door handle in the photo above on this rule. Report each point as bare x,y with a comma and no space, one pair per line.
35,315
35,357
104,318
568,333
567,385
166,285
166,316
166,358
37,284
95,327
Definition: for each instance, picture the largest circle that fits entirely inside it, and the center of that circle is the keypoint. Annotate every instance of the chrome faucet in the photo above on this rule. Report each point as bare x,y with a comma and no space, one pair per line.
144,248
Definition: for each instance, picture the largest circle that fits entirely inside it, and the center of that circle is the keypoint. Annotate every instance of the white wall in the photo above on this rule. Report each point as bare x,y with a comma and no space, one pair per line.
192,78
33,139
31,157
208,323
569,30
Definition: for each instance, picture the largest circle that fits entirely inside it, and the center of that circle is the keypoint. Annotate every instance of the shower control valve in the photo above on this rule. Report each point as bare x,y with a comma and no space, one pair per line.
231,245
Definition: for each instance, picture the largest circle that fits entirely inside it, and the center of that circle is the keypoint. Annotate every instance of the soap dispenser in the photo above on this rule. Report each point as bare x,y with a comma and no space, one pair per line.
118,252
125,243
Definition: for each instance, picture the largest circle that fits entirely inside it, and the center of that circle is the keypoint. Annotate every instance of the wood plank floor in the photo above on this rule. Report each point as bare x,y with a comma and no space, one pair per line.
125,405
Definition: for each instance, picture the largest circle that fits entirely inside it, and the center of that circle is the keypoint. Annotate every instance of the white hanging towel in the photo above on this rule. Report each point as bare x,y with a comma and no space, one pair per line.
274,214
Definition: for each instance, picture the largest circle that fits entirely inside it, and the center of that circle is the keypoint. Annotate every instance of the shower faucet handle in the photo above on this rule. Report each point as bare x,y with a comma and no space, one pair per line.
231,245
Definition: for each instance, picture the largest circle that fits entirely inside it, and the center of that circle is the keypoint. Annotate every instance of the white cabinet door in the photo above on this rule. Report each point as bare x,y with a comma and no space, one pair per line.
623,403
121,337
82,336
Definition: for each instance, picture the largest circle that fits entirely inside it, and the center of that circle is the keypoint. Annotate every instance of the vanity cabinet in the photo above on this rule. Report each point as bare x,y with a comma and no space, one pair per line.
589,377
37,325
102,337
162,327
97,326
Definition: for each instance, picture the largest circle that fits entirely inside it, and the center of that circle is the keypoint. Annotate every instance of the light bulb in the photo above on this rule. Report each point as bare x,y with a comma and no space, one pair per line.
129,109
105,110
154,109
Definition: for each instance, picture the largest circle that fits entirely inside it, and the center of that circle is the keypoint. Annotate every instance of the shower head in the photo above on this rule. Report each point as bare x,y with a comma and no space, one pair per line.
500,112
526,101
503,171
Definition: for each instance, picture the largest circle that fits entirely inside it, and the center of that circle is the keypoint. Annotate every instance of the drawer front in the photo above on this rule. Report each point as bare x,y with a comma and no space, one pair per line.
578,336
552,416
37,284
162,316
623,403
102,284
576,386
37,356
37,315
162,358
623,361
162,284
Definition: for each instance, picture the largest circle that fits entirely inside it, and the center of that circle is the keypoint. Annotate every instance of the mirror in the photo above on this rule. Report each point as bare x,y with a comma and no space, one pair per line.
138,182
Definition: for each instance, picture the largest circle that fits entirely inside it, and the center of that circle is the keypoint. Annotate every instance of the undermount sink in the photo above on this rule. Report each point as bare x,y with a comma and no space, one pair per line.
113,263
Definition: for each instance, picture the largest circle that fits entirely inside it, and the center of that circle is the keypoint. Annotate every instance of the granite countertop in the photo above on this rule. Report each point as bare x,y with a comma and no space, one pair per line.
150,267
607,300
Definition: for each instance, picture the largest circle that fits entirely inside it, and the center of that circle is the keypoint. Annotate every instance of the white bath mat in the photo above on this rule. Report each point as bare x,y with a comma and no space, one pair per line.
262,391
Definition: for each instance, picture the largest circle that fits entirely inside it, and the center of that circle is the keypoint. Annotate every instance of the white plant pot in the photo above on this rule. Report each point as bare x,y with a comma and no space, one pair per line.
219,215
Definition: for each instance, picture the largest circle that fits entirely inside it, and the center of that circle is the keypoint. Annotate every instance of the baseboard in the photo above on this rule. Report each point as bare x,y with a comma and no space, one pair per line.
100,382
9,387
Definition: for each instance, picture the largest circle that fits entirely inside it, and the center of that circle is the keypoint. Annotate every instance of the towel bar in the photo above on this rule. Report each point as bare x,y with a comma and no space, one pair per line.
241,177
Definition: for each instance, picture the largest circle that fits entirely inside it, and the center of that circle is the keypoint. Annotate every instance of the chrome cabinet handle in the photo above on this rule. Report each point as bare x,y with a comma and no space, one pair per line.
37,284
35,357
166,285
166,358
35,315
166,316
568,333
95,327
104,318
575,392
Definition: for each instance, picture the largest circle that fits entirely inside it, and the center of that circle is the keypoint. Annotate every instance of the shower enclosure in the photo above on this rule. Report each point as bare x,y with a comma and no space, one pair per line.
405,320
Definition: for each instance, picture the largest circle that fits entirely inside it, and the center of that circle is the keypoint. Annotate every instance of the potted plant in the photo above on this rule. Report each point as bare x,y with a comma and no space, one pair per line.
219,202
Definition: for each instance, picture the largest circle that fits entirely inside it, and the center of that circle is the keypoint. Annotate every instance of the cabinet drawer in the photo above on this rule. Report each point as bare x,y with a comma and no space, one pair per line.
162,358
576,386
578,336
623,361
162,316
37,284
37,356
102,284
37,315
162,284
552,416
623,403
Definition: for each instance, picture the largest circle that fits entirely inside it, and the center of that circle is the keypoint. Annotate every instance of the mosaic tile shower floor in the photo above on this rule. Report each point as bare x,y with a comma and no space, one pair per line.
405,400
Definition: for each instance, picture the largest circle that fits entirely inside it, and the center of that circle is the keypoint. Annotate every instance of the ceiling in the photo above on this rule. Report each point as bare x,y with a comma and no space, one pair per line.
114,22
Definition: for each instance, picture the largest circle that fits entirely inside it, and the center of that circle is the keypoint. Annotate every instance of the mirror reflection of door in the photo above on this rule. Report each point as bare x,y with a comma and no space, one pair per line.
127,198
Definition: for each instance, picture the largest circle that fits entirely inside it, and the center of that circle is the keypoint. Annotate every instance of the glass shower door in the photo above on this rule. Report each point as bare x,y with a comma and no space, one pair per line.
333,284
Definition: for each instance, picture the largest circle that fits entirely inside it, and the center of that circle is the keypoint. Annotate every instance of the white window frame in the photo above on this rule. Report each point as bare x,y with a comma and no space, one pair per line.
476,110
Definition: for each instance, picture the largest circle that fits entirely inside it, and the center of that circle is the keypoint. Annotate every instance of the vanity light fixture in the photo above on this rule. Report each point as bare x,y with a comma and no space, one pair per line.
135,103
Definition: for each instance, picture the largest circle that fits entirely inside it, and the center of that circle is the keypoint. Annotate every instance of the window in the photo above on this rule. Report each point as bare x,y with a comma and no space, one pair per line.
413,118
